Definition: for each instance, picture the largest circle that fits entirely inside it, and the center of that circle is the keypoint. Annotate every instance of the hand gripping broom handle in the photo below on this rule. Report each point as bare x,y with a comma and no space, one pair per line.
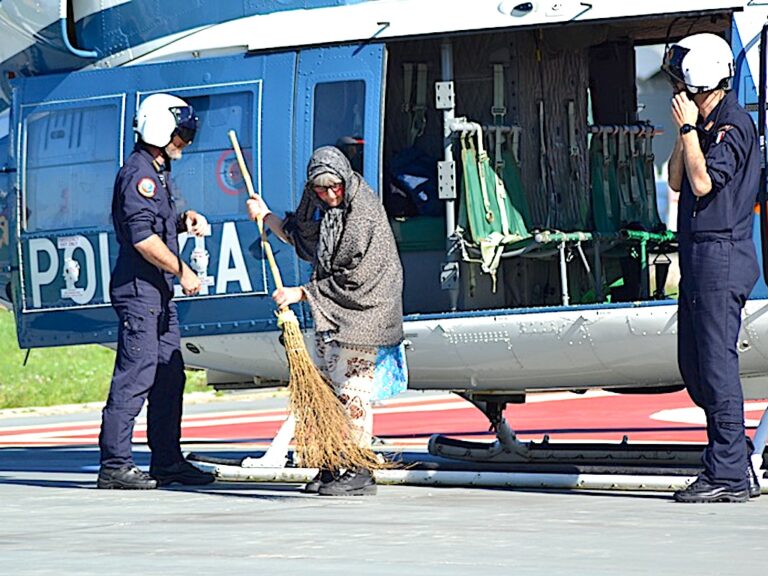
260,221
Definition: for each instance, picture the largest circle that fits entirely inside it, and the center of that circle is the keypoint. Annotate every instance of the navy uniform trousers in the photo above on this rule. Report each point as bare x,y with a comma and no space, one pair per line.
718,274
148,366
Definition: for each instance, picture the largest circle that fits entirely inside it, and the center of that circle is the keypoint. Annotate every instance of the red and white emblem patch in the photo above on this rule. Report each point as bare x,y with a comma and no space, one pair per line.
721,133
147,187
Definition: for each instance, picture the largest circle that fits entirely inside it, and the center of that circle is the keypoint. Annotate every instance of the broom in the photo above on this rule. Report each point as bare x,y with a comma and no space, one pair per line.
323,436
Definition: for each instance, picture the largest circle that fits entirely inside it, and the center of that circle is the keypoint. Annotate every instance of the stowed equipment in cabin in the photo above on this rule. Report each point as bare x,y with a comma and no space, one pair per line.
544,175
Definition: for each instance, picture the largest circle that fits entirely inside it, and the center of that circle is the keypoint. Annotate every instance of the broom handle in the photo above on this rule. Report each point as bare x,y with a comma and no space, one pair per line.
259,221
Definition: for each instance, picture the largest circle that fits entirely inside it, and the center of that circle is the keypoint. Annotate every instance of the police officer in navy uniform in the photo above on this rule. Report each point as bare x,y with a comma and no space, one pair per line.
715,165
149,364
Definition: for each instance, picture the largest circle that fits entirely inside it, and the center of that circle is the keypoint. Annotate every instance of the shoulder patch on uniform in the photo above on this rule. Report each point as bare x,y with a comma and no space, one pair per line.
146,187
721,132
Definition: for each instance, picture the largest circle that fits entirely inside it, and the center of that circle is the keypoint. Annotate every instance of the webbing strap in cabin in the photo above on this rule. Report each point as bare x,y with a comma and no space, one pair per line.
622,169
575,161
482,157
544,189
513,183
407,86
416,109
573,146
499,111
607,168
634,184
650,180
516,146
603,172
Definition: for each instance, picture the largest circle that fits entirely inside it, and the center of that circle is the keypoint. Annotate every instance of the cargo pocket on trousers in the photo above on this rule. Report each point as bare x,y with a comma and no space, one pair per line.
133,331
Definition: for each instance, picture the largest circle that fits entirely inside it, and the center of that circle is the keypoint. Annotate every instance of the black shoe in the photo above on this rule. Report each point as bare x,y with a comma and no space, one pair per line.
702,490
125,478
322,478
754,483
351,483
181,472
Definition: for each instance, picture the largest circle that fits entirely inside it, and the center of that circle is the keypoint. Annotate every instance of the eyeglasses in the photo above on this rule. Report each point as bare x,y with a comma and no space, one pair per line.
323,190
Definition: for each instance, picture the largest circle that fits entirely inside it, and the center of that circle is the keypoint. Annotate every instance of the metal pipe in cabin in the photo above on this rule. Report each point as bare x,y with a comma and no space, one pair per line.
471,127
563,275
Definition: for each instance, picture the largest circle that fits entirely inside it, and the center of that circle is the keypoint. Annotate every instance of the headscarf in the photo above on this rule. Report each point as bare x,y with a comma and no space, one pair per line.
317,242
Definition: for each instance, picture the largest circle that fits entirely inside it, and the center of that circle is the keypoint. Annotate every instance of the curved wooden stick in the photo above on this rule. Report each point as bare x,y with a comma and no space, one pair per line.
259,221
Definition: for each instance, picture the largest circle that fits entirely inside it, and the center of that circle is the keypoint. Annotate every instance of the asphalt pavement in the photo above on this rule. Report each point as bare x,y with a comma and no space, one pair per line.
54,521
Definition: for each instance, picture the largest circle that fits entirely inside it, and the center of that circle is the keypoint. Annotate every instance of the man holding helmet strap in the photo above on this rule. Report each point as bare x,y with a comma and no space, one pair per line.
149,363
715,165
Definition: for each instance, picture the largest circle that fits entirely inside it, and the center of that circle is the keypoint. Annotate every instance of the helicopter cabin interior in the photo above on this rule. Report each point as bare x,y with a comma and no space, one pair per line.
555,197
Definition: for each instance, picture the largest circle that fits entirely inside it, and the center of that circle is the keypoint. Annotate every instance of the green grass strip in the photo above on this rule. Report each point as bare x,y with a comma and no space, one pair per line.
64,375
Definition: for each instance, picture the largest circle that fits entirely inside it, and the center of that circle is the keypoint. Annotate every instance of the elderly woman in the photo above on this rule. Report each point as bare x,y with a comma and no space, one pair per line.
355,294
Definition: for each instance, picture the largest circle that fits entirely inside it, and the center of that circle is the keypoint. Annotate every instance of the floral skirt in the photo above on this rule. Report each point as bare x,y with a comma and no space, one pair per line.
361,374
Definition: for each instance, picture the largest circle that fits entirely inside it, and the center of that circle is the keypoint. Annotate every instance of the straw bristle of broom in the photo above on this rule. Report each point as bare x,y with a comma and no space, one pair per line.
323,437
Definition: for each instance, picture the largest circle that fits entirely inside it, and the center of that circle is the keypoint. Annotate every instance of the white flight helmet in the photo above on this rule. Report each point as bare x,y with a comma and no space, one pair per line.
702,62
160,116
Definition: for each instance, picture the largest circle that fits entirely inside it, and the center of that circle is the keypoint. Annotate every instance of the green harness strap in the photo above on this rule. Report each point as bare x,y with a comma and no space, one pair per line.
652,210
605,197
514,185
634,184
485,182
622,175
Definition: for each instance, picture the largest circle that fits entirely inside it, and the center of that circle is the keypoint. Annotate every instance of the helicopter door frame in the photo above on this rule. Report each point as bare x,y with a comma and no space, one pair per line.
762,195
339,71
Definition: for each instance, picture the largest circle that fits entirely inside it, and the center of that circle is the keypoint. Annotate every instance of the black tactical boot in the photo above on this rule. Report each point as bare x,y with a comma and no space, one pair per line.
125,478
322,478
351,483
702,490
181,472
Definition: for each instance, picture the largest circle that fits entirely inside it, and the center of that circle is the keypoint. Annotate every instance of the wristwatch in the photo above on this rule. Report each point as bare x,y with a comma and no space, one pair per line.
685,128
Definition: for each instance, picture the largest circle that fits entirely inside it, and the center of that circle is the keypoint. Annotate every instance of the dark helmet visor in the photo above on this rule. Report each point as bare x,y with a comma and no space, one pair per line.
186,123
673,62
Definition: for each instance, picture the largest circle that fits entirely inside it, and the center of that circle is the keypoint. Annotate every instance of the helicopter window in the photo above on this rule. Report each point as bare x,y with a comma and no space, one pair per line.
59,193
339,119
207,178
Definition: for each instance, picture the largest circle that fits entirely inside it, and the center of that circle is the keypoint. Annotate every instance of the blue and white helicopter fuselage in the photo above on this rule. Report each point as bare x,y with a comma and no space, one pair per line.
289,76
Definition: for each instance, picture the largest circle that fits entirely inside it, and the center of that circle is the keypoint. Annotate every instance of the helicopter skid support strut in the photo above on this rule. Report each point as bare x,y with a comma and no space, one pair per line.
508,449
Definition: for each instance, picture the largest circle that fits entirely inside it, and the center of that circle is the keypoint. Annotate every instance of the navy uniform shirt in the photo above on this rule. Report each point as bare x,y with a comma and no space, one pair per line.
142,205
733,163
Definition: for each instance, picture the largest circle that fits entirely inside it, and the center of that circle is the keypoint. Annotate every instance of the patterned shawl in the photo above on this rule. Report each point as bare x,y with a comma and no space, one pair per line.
355,292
